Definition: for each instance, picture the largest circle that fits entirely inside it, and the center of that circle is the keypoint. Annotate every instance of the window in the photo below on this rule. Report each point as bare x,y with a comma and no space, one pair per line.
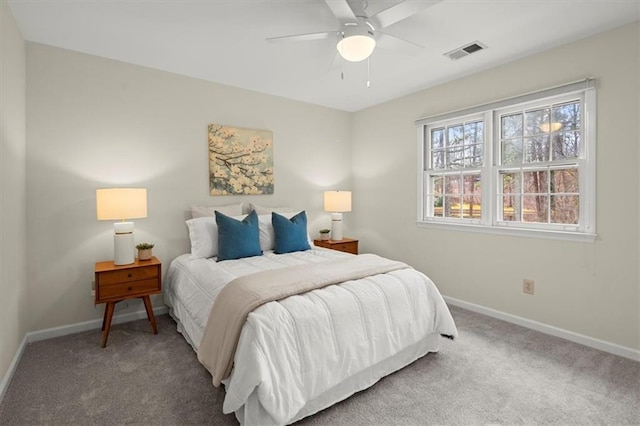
455,156
521,166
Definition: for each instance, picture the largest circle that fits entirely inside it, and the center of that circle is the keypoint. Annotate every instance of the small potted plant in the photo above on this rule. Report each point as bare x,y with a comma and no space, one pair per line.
144,251
324,234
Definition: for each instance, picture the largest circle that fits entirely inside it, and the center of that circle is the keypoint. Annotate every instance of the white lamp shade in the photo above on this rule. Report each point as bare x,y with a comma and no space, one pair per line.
337,201
356,48
121,203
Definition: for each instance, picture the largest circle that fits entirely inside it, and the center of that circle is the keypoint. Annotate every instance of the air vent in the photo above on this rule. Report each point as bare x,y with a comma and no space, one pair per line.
465,50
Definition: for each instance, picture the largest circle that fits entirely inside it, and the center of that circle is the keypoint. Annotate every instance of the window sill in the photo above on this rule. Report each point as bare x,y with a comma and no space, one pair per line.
514,232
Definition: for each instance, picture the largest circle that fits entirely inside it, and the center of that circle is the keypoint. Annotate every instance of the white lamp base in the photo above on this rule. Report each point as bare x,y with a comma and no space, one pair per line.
336,226
123,249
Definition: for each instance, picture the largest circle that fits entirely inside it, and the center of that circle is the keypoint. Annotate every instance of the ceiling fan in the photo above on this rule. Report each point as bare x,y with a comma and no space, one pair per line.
358,33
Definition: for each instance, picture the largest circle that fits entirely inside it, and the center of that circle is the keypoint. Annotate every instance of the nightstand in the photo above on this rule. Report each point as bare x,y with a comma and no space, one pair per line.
347,245
117,283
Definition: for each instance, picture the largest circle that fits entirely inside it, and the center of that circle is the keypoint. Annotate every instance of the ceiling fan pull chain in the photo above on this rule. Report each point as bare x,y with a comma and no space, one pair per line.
342,60
368,75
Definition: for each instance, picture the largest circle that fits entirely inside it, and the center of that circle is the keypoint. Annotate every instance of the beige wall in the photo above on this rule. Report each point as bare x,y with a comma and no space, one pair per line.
13,282
588,288
95,123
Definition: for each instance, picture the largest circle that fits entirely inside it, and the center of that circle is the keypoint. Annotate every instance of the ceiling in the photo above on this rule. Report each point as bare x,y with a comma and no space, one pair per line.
224,40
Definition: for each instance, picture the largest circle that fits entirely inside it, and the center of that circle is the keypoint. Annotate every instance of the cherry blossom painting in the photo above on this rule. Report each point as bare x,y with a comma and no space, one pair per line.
240,161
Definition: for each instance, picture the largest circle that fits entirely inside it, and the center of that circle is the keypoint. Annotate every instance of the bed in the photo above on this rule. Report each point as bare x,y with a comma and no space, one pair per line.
360,328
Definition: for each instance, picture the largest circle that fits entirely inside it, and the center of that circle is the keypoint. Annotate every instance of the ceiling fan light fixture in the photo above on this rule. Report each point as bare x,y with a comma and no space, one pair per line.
550,127
356,46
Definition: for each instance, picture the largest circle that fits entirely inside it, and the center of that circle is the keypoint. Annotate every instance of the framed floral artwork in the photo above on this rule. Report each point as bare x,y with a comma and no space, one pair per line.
240,161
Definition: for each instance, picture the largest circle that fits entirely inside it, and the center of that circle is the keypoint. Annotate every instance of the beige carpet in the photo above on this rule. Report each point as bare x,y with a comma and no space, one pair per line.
495,373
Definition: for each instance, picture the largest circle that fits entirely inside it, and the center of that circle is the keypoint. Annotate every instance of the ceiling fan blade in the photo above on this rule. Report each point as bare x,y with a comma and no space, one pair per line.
387,41
342,10
398,12
302,37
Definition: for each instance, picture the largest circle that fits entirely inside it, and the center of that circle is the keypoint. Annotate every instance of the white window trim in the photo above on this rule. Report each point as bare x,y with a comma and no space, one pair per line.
585,231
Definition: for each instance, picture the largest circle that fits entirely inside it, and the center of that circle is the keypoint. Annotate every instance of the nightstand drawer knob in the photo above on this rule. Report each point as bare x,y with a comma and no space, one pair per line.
129,288
129,275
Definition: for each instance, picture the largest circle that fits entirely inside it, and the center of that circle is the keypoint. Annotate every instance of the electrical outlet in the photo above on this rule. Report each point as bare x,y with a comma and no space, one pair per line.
120,306
93,293
528,286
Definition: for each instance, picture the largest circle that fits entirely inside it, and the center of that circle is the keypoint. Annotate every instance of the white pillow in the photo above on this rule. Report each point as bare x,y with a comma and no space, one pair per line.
203,233
267,237
205,211
260,210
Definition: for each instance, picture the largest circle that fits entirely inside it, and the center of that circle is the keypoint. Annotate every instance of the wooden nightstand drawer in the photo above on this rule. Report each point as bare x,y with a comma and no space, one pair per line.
347,245
132,289
128,275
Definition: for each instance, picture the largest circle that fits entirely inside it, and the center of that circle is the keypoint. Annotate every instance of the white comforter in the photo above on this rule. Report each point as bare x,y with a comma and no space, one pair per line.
305,347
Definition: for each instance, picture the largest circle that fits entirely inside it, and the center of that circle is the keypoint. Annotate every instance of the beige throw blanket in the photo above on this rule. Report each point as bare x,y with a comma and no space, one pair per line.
244,294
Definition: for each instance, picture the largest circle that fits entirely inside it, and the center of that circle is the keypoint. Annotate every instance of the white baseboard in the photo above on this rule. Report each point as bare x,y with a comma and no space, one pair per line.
591,342
4,385
49,333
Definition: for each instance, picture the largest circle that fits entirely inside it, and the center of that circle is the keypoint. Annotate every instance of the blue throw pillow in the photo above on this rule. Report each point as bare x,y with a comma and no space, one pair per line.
290,234
237,239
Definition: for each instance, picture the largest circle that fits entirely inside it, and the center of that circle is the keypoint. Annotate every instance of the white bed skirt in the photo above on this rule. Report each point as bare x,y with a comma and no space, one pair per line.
252,412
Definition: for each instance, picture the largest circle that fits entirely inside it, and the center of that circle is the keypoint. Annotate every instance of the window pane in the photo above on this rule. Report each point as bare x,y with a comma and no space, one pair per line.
452,206
471,207
455,157
452,184
512,151
471,184
455,136
567,115
536,149
472,199
566,145
535,182
511,126
426,162
473,155
437,159
437,206
536,121
473,132
436,185
535,208
511,208
564,181
564,209
510,183
437,138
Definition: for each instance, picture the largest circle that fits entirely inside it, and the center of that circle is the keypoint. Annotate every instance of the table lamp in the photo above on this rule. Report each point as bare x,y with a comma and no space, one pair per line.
337,202
122,204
